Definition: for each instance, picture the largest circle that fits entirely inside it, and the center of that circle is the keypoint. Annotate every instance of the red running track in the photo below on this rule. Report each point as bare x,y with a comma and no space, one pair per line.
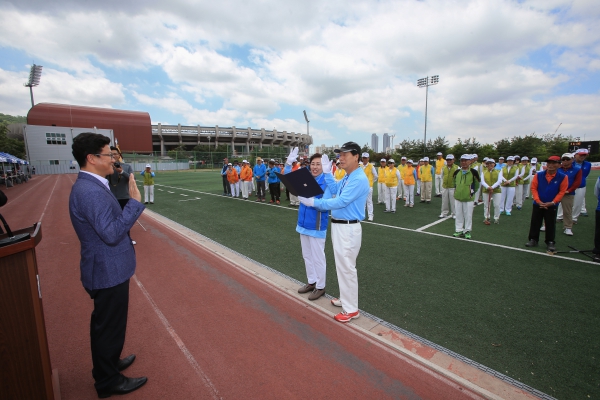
201,327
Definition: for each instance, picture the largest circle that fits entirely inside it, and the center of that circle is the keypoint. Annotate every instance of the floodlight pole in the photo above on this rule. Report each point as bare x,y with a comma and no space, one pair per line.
426,82
34,79
307,121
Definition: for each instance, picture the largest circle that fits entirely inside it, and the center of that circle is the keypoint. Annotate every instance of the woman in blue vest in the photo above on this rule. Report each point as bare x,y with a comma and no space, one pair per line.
312,227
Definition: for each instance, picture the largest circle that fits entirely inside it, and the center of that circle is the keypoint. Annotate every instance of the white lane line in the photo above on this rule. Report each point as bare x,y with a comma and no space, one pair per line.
197,198
181,194
168,191
432,224
12,201
205,379
410,230
48,202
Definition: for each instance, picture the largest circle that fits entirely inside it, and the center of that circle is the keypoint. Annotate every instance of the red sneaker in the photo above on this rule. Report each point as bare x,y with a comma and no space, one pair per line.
277,202
345,317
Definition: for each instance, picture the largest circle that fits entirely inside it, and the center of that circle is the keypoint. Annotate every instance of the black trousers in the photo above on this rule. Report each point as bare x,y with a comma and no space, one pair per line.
597,234
226,187
107,332
547,215
260,189
275,190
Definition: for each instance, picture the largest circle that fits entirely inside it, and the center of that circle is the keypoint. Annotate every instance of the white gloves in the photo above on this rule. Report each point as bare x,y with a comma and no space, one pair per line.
326,164
293,156
307,202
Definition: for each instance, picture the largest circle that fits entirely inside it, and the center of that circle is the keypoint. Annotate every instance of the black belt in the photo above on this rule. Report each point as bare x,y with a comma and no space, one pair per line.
343,221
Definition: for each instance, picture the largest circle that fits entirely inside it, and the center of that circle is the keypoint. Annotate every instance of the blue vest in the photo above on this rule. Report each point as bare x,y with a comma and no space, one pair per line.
310,217
586,167
547,191
571,173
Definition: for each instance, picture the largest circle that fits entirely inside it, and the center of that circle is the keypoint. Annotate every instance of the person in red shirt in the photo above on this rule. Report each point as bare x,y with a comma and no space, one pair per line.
548,188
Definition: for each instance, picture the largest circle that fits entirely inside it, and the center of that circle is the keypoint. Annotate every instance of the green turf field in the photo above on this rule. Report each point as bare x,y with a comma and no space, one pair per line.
530,316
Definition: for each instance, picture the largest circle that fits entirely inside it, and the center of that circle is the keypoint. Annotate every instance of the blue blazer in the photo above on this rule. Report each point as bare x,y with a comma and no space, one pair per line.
107,254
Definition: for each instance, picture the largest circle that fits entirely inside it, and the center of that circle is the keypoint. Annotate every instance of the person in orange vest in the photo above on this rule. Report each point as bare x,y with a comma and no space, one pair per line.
409,178
426,173
392,179
246,179
233,179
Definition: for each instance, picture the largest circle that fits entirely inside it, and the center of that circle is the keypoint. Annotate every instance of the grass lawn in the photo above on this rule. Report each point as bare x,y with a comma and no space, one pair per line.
530,316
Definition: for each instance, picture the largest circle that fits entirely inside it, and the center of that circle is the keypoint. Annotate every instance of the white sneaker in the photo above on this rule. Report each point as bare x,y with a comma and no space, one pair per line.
442,216
336,302
568,232
543,228
370,218
133,242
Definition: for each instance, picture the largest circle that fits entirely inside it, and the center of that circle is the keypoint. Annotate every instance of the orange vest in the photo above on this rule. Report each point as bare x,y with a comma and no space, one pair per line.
246,173
232,176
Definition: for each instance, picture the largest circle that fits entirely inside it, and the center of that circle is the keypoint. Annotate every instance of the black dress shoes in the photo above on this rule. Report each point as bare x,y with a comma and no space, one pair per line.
127,385
125,362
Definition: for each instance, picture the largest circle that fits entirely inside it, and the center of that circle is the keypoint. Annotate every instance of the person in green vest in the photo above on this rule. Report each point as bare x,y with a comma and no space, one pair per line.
510,173
466,182
148,184
525,181
479,167
491,181
448,187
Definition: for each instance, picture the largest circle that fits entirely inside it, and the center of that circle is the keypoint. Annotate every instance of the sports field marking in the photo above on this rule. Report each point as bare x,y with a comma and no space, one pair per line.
205,379
48,202
197,198
414,230
12,201
181,194
432,224
168,191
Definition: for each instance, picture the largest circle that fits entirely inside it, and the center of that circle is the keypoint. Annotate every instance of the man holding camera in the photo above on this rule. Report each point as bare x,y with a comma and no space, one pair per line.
118,181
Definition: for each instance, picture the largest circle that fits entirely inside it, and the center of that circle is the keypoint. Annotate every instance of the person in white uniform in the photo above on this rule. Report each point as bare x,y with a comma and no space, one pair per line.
371,174
491,179
392,180
381,188
510,173
347,210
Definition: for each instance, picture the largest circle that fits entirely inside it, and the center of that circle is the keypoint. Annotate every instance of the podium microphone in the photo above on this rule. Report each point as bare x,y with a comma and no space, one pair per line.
11,238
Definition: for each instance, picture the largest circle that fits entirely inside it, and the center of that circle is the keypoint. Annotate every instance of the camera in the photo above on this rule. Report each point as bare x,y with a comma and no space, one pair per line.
117,164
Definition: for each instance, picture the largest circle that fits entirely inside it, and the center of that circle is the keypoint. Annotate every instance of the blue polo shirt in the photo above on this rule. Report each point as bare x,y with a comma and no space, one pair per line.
350,196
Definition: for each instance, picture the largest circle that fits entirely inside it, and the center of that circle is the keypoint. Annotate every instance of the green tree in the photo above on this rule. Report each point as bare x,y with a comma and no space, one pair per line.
503,147
10,119
14,147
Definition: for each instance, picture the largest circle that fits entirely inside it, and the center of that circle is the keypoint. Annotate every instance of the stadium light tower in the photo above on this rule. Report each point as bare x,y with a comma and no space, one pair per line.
307,121
34,79
426,82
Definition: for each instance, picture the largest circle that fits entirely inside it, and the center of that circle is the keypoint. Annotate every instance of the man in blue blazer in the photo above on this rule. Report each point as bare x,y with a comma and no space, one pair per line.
107,259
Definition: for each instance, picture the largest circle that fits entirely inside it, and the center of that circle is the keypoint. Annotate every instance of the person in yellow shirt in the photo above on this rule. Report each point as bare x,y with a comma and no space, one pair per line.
439,164
371,174
392,179
381,188
401,192
426,173
339,172
409,178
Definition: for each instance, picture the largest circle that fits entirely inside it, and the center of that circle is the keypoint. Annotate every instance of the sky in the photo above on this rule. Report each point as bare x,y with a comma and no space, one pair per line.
506,68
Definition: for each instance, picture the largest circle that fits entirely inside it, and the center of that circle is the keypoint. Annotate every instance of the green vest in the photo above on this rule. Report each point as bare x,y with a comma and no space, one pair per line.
491,177
509,175
148,179
448,182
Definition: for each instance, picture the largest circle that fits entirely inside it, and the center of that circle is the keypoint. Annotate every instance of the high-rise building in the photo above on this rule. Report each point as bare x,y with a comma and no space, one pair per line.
375,143
386,142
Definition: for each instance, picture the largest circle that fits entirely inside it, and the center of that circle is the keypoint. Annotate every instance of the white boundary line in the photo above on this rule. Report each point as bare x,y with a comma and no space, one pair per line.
205,379
48,202
412,230
432,224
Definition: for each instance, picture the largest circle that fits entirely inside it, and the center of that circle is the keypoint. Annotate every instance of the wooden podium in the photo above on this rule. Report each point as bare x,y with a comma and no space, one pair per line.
24,355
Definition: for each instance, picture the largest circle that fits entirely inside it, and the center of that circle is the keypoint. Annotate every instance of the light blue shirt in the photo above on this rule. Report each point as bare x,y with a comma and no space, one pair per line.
350,196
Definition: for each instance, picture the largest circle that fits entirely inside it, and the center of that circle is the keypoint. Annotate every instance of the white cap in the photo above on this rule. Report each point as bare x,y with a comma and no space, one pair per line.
229,164
382,160
582,151
245,161
449,157
403,158
465,157
474,155
365,155
518,157
510,158
485,158
525,158
409,161
490,160
391,160
500,158
426,159
148,166
569,155
439,153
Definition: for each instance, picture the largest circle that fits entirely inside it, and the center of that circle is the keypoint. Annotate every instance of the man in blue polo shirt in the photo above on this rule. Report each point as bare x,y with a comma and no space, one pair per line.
347,210
586,167
565,208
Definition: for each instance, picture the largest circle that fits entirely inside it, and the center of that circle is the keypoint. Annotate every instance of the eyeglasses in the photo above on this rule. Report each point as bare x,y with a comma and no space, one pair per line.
107,155
565,159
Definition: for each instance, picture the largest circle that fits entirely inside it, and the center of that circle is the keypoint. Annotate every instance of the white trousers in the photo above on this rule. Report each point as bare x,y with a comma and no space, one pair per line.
438,184
409,191
370,203
464,216
477,195
235,189
578,205
448,206
381,192
149,193
390,198
506,201
487,204
519,195
244,185
418,187
526,189
401,193
346,240
313,252
253,186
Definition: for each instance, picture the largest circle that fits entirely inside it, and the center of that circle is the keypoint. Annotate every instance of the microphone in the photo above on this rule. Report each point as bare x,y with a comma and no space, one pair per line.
11,238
